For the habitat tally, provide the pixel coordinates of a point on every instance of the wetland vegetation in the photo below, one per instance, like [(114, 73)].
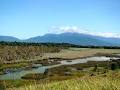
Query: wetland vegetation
[(54, 66)]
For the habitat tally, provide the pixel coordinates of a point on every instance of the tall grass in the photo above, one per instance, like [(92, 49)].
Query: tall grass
[(86, 83)]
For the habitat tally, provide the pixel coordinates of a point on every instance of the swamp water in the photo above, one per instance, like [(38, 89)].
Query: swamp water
[(41, 69)]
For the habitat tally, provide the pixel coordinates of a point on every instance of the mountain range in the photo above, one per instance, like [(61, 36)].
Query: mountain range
[(72, 38)]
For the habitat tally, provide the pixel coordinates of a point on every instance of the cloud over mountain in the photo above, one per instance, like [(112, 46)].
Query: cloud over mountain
[(75, 29)]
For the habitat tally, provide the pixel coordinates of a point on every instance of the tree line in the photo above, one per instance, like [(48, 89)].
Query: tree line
[(55, 44)]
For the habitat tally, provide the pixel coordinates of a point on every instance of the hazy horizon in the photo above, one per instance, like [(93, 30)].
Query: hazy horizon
[(28, 18)]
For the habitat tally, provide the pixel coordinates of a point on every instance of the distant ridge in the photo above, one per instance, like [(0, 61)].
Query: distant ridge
[(8, 38), (76, 38), (72, 38)]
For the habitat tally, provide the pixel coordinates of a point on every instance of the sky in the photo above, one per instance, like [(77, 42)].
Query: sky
[(28, 18)]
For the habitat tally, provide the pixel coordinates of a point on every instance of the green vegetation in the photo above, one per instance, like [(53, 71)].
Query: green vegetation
[(18, 52), (14, 52), (84, 75), (4, 66), (93, 75), (109, 81)]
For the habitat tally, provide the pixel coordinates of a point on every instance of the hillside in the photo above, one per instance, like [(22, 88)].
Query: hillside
[(8, 38), (76, 38), (72, 38)]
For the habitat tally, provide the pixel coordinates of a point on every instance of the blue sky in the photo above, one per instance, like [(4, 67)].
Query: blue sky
[(28, 18)]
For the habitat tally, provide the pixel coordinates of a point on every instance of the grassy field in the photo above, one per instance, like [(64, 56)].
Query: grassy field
[(70, 53), (110, 81), (16, 54), (90, 79), (76, 81), (73, 53)]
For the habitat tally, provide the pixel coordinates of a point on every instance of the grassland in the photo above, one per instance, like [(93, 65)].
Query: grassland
[(109, 81), (74, 53), (70, 53), (25, 53), (61, 78), (80, 77)]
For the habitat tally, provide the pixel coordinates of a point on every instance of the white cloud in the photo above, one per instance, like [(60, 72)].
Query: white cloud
[(106, 34), (63, 29), (76, 29)]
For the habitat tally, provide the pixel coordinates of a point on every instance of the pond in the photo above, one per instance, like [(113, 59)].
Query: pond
[(41, 69)]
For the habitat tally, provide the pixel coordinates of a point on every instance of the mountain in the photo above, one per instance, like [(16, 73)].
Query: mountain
[(76, 38), (8, 38), (72, 38)]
